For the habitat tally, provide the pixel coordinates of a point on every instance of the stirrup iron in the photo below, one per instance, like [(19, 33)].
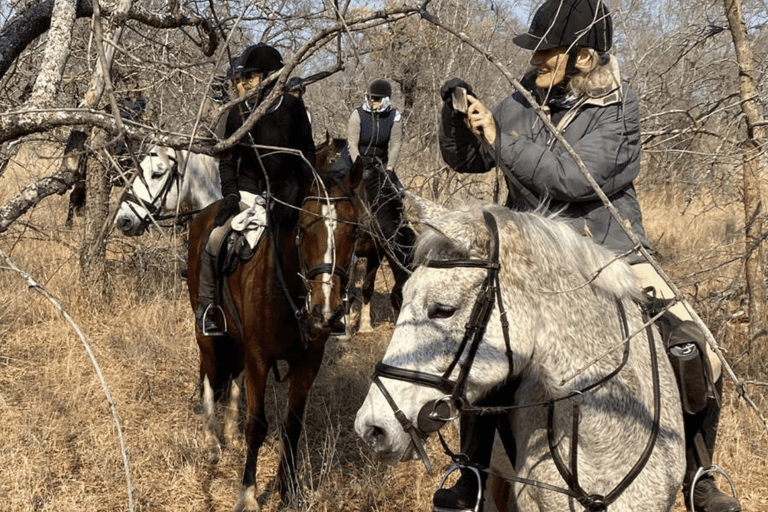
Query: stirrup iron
[(714, 468), (479, 498), (205, 316)]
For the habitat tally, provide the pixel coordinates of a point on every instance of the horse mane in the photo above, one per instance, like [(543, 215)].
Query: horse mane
[(544, 240)]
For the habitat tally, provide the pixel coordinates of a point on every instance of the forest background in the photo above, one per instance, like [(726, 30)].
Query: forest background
[(698, 67)]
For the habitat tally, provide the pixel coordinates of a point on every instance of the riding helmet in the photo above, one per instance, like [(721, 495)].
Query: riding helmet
[(259, 58), (379, 88), (569, 23)]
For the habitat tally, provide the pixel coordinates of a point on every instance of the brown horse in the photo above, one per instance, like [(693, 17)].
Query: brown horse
[(271, 323), (371, 243)]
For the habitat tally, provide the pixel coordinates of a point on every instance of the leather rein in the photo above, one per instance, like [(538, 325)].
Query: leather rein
[(435, 413)]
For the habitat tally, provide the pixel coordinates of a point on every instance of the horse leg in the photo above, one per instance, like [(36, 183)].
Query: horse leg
[(302, 375), (256, 427), (372, 263), (208, 378), (232, 411)]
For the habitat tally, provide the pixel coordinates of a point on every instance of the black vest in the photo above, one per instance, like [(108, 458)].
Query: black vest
[(375, 130)]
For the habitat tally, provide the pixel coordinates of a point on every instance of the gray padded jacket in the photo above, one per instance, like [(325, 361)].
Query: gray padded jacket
[(604, 130)]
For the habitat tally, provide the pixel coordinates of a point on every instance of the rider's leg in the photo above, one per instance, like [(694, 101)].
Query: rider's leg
[(477, 434), (701, 401), (206, 289), (477, 441)]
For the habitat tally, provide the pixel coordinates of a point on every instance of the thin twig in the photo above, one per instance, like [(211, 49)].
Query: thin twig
[(41, 290)]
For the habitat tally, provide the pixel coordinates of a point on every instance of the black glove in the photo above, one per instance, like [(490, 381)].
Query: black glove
[(230, 207), (446, 91)]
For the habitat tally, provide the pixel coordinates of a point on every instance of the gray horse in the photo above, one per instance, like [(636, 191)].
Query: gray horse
[(568, 343)]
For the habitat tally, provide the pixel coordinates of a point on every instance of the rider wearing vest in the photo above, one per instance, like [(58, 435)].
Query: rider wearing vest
[(374, 133), (578, 84), (248, 173)]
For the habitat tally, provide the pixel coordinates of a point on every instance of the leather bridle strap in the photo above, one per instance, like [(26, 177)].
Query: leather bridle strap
[(408, 426)]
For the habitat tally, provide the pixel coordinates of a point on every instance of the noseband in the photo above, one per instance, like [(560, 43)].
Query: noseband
[(435, 413), (438, 412), (322, 268)]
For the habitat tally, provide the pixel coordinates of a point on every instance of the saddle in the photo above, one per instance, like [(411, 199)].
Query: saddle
[(234, 250)]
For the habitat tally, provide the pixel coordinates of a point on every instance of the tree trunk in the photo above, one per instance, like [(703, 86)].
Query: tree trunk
[(55, 55), (753, 174), (94, 250)]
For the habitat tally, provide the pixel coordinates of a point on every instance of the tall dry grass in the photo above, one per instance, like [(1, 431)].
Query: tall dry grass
[(58, 445)]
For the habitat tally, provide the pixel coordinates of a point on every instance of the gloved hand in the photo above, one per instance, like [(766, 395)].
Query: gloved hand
[(446, 91), (230, 207)]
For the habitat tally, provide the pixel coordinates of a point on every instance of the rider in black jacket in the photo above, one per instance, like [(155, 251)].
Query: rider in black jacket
[(250, 173)]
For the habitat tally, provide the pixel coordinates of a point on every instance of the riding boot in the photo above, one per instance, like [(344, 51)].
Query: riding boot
[(700, 435), (477, 433), (205, 315)]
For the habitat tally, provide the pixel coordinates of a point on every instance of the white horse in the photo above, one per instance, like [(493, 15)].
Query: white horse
[(168, 179), (568, 343)]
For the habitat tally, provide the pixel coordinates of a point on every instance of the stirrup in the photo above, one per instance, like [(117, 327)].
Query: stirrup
[(205, 316), (479, 498), (714, 468)]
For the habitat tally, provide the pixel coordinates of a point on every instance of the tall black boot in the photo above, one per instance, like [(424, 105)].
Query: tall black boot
[(477, 433), (700, 435), (206, 299)]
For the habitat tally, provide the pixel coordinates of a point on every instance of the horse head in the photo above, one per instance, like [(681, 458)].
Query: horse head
[(326, 241), (167, 178), (560, 333), (328, 151)]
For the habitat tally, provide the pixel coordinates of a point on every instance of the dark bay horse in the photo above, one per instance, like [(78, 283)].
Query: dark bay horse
[(272, 322), (384, 232)]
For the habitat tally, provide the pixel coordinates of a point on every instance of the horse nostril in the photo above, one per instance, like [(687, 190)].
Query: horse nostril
[(124, 223), (376, 437)]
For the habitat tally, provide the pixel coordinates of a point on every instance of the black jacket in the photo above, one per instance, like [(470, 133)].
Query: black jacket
[(285, 125)]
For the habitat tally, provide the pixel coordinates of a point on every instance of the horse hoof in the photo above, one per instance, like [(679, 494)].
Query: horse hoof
[(247, 501)]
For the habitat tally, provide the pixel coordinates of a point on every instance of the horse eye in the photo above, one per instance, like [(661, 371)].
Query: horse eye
[(440, 311)]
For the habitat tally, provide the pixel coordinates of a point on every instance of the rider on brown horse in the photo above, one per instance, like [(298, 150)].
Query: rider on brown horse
[(248, 172), (374, 133)]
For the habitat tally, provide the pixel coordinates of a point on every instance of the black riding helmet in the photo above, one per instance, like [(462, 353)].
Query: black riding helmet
[(569, 23), (257, 58), (380, 88)]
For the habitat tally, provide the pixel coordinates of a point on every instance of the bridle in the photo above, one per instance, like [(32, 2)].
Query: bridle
[(330, 269), (154, 206), (321, 268), (435, 413)]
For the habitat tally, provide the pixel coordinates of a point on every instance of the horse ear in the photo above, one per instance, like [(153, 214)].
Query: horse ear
[(355, 175), (425, 208)]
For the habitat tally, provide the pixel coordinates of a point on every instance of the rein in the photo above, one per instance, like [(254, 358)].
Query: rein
[(435, 413)]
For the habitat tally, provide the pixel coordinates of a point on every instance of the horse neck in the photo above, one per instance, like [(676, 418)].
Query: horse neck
[(200, 184), (574, 340)]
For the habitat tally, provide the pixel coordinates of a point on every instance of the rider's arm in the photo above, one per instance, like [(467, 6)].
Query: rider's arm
[(610, 150), (395, 142), (353, 135), (229, 160)]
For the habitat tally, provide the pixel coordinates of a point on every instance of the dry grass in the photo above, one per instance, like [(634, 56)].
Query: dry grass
[(58, 442)]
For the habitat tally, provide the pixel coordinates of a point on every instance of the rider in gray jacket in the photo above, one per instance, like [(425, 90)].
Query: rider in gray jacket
[(578, 85)]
